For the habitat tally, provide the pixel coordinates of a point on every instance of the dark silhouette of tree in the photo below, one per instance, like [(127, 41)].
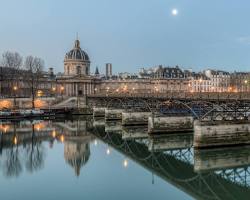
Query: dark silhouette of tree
[(13, 62), (34, 67)]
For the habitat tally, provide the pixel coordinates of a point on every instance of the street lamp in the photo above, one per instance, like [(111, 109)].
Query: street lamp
[(62, 89), (15, 90), (246, 84)]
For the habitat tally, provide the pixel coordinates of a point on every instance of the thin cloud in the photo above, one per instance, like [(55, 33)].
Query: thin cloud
[(244, 40)]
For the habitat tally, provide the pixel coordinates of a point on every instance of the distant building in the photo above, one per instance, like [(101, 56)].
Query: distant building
[(220, 80), (199, 82), (240, 82), (19, 78), (76, 80), (77, 62), (97, 72), (108, 70)]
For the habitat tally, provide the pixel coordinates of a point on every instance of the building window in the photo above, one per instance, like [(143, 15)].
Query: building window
[(78, 70)]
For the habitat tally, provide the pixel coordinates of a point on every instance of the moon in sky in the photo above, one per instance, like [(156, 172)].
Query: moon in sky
[(174, 12)]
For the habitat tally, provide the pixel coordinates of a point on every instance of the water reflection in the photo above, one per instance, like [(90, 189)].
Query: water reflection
[(22, 144), (202, 174)]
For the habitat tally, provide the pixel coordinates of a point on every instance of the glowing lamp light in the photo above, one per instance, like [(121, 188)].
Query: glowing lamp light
[(53, 133), (15, 88), (62, 139), (15, 140), (108, 151), (95, 143), (39, 93), (125, 163)]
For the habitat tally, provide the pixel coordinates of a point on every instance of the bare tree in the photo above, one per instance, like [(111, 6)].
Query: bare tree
[(13, 61), (34, 67)]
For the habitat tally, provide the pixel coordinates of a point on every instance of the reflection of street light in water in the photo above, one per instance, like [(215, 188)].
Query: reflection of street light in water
[(62, 138), (125, 163), (15, 140), (54, 133), (108, 151)]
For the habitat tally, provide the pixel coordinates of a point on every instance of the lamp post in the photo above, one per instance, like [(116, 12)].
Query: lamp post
[(53, 89), (246, 82), (61, 90), (15, 90)]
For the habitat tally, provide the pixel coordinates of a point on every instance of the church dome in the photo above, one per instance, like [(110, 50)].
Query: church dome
[(77, 54)]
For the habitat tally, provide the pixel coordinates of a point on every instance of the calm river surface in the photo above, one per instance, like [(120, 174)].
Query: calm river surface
[(82, 159)]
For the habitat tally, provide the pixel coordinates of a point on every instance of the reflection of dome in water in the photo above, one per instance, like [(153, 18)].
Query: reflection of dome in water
[(76, 155)]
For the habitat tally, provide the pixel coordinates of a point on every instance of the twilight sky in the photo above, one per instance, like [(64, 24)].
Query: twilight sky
[(131, 33)]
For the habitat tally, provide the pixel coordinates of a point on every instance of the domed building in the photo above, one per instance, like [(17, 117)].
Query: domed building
[(77, 62), (76, 79)]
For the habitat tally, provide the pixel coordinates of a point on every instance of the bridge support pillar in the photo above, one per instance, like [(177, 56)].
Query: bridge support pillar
[(135, 118), (113, 114), (98, 112), (134, 132), (220, 158), (170, 124), (171, 142), (221, 133), (113, 127)]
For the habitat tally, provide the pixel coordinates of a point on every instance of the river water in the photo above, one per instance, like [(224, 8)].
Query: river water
[(85, 159)]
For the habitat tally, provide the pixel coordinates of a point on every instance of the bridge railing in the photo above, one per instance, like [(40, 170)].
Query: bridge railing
[(180, 95)]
